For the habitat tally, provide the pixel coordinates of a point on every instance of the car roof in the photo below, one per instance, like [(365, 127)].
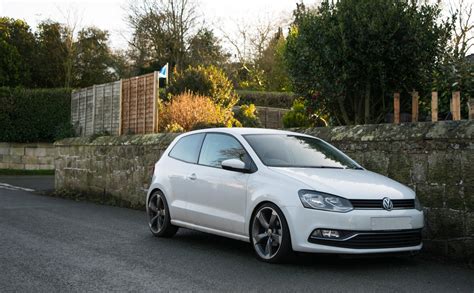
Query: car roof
[(245, 130)]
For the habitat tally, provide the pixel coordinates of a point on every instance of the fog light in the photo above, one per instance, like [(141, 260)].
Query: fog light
[(324, 233)]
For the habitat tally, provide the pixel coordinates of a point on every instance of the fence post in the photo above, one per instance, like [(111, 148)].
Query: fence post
[(93, 109), (434, 106), (396, 108), (471, 109), (456, 105), (414, 106), (155, 104), (85, 114), (120, 126), (135, 131)]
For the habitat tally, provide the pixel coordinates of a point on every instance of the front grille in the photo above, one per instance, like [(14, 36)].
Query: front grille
[(374, 240), (377, 203)]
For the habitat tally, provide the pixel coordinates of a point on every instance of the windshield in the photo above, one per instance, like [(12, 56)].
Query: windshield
[(281, 150)]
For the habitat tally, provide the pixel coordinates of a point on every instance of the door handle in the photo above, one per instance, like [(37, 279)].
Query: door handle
[(192, 176)]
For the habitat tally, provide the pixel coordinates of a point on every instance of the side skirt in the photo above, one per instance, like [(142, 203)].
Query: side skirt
[(210, 230)]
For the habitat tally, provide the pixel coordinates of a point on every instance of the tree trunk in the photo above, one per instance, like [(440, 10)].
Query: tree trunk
[(345, 117), (367, 104)]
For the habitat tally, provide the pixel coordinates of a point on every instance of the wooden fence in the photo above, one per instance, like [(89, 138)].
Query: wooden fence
[(139, 104), (96, 109), (455, 106), (271, 117), (127, 106)]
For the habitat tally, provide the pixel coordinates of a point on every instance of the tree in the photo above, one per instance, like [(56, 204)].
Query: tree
[(272, 63), (93, 59), (348, 57), (17, 52), (161, 30), (121, 64), (249, 42), (205, 49), (52, 55), (208, 81)]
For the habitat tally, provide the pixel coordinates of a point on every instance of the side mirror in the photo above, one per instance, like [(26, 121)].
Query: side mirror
[(234, 165)]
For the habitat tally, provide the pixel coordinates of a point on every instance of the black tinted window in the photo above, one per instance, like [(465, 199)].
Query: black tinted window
[(220, 147), (187, 148)]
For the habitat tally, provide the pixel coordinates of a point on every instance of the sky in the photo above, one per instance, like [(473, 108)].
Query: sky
[(221, 15), (111, 14)]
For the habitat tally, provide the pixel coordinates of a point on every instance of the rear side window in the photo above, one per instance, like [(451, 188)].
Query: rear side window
[(187, 148)]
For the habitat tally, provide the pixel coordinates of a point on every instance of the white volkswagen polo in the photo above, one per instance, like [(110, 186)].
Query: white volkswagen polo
[(281, 191)]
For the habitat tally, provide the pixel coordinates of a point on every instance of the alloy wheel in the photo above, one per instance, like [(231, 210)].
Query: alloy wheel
[(267, 232), (156, 213)]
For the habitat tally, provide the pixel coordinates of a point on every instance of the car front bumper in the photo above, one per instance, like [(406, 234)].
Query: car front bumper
[(367, 231)]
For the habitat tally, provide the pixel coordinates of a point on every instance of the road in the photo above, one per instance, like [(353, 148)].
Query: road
[(54, 245)]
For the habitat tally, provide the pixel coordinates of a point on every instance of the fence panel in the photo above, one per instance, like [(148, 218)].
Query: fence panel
[(96, 109), (107, 108), (139, 96), (271, 117)]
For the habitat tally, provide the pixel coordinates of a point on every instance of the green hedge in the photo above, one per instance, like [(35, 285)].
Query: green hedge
[(34, 115), (266, 99)]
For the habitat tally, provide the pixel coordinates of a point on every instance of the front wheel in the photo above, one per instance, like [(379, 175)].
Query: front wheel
[(159, 219), (270, 235)]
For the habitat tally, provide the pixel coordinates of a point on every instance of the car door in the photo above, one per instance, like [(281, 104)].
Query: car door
[(219, 198), (184, 157)]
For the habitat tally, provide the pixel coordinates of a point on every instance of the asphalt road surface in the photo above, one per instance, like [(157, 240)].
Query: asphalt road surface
[(55, 245)]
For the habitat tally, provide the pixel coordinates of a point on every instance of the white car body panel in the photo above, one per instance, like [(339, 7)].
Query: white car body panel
[(222, 202)]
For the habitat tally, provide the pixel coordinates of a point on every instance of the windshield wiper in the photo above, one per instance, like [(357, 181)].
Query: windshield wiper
[(355, 168)]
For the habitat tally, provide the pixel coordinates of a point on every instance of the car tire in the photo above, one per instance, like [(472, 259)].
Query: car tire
[(159, 220), (270, 235)]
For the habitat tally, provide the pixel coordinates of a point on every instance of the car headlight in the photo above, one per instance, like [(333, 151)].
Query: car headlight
[(418, 205), (324, 201)]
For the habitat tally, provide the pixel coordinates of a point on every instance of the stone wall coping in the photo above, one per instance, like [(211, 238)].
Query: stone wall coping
[(463, 129), (142, 139)]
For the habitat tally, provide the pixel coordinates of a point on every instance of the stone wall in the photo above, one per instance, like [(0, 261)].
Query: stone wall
[(27, 156), (112, 169), (435, 159)]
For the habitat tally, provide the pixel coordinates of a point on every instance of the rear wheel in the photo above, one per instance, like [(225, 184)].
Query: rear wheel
[(159, 219), (270, 235)]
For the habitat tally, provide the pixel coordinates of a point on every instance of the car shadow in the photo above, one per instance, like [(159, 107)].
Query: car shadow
[(235, 248)]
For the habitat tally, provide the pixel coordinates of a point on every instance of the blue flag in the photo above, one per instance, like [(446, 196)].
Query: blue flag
[(163, 72)]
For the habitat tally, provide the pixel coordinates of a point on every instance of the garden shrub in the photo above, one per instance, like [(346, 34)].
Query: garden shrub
[(247, 116), (297, 116), (204, 125), (174, 127), (207, 81), (186, 110), (34, 115)]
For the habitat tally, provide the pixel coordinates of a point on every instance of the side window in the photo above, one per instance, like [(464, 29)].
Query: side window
[(187, 148), (220, 147)]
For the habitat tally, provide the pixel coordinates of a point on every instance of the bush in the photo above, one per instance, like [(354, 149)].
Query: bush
[(174, 127), (297, 116), (64, 130), (266, 99), (247, 116), (204, 125), (34, 115), (207, 81), (185, 111)]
